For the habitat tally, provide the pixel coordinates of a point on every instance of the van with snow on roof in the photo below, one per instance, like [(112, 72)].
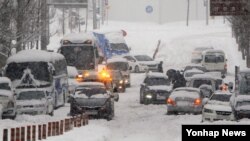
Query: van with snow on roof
[(42, 70), (215, 60)]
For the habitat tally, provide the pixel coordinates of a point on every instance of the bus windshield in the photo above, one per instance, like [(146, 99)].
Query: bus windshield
[(39, 70), (82, 57)]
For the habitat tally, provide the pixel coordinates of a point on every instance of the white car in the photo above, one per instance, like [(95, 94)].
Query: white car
[(34, 102), (134, 64), (189, 73), (218, 107), (7, 98), (145, 60)]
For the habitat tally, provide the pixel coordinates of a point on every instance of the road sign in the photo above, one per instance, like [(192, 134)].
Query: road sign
[(228, 7), (69, 4), (149, 9)]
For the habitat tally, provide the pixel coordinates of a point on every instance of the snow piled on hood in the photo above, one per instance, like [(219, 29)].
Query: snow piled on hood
[(218, 106), (161, 87)]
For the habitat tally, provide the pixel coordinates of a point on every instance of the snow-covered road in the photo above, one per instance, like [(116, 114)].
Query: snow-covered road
[(136, 122)]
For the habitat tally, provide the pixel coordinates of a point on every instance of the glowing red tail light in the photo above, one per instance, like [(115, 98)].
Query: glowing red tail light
[(197, 101), (170, 101)]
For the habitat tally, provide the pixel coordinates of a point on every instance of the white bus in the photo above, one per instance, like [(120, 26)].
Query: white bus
[(47, 71), (81, 51)]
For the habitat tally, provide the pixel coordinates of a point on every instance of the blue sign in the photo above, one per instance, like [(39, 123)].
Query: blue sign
[(149, 9)]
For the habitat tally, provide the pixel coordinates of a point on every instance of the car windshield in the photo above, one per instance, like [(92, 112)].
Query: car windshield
[(157, 81), (221, 97), (122, 66), (199, 82), (119, 47), (29, 95), (245, 86), (4, 86), (91, 91), (243, 103), (214, 58), (143, 58)]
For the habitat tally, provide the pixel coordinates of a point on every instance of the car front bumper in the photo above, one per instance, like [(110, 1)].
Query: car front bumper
[(32, 111), (213, 117), (9, 113)]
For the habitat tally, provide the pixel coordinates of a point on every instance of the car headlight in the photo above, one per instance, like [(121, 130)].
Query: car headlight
[(18, 106), (126, 81), (121, 81), (149, 96), (208, 110)]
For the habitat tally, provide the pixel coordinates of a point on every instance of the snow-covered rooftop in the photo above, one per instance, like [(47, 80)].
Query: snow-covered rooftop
[(34, 56), (156, 74), (78, 37)]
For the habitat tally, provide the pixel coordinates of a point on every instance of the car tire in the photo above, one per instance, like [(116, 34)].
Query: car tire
[(237, 116), (141, 98), (146, 101), (137, 70), (51, 113), (111, 113), (171, 113)]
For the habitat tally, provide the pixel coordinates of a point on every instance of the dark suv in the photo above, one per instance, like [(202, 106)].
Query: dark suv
[(155, 88)]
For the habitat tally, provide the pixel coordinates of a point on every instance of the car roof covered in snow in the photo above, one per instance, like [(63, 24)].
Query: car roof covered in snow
[(34, 56), (204, 76), (5, 80), (156, 75), (83, 84), (194, 70), (242, 98), (187, 88), (79, 37), (117, 59)]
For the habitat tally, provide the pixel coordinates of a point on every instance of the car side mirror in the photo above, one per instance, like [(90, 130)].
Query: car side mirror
[(204, 101)]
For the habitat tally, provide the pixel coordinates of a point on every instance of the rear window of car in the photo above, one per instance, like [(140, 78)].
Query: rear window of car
[(221, 97), (156, 81), (198, 83)]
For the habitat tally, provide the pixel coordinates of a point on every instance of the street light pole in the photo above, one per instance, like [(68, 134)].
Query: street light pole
[(188, 12)]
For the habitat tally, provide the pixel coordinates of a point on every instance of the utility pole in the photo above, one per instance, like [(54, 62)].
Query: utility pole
[(44, 25), (94, 15), (207, 11), (188, 12)]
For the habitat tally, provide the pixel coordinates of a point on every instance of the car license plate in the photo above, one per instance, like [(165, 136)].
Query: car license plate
[(182, 103), (91, 112)]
